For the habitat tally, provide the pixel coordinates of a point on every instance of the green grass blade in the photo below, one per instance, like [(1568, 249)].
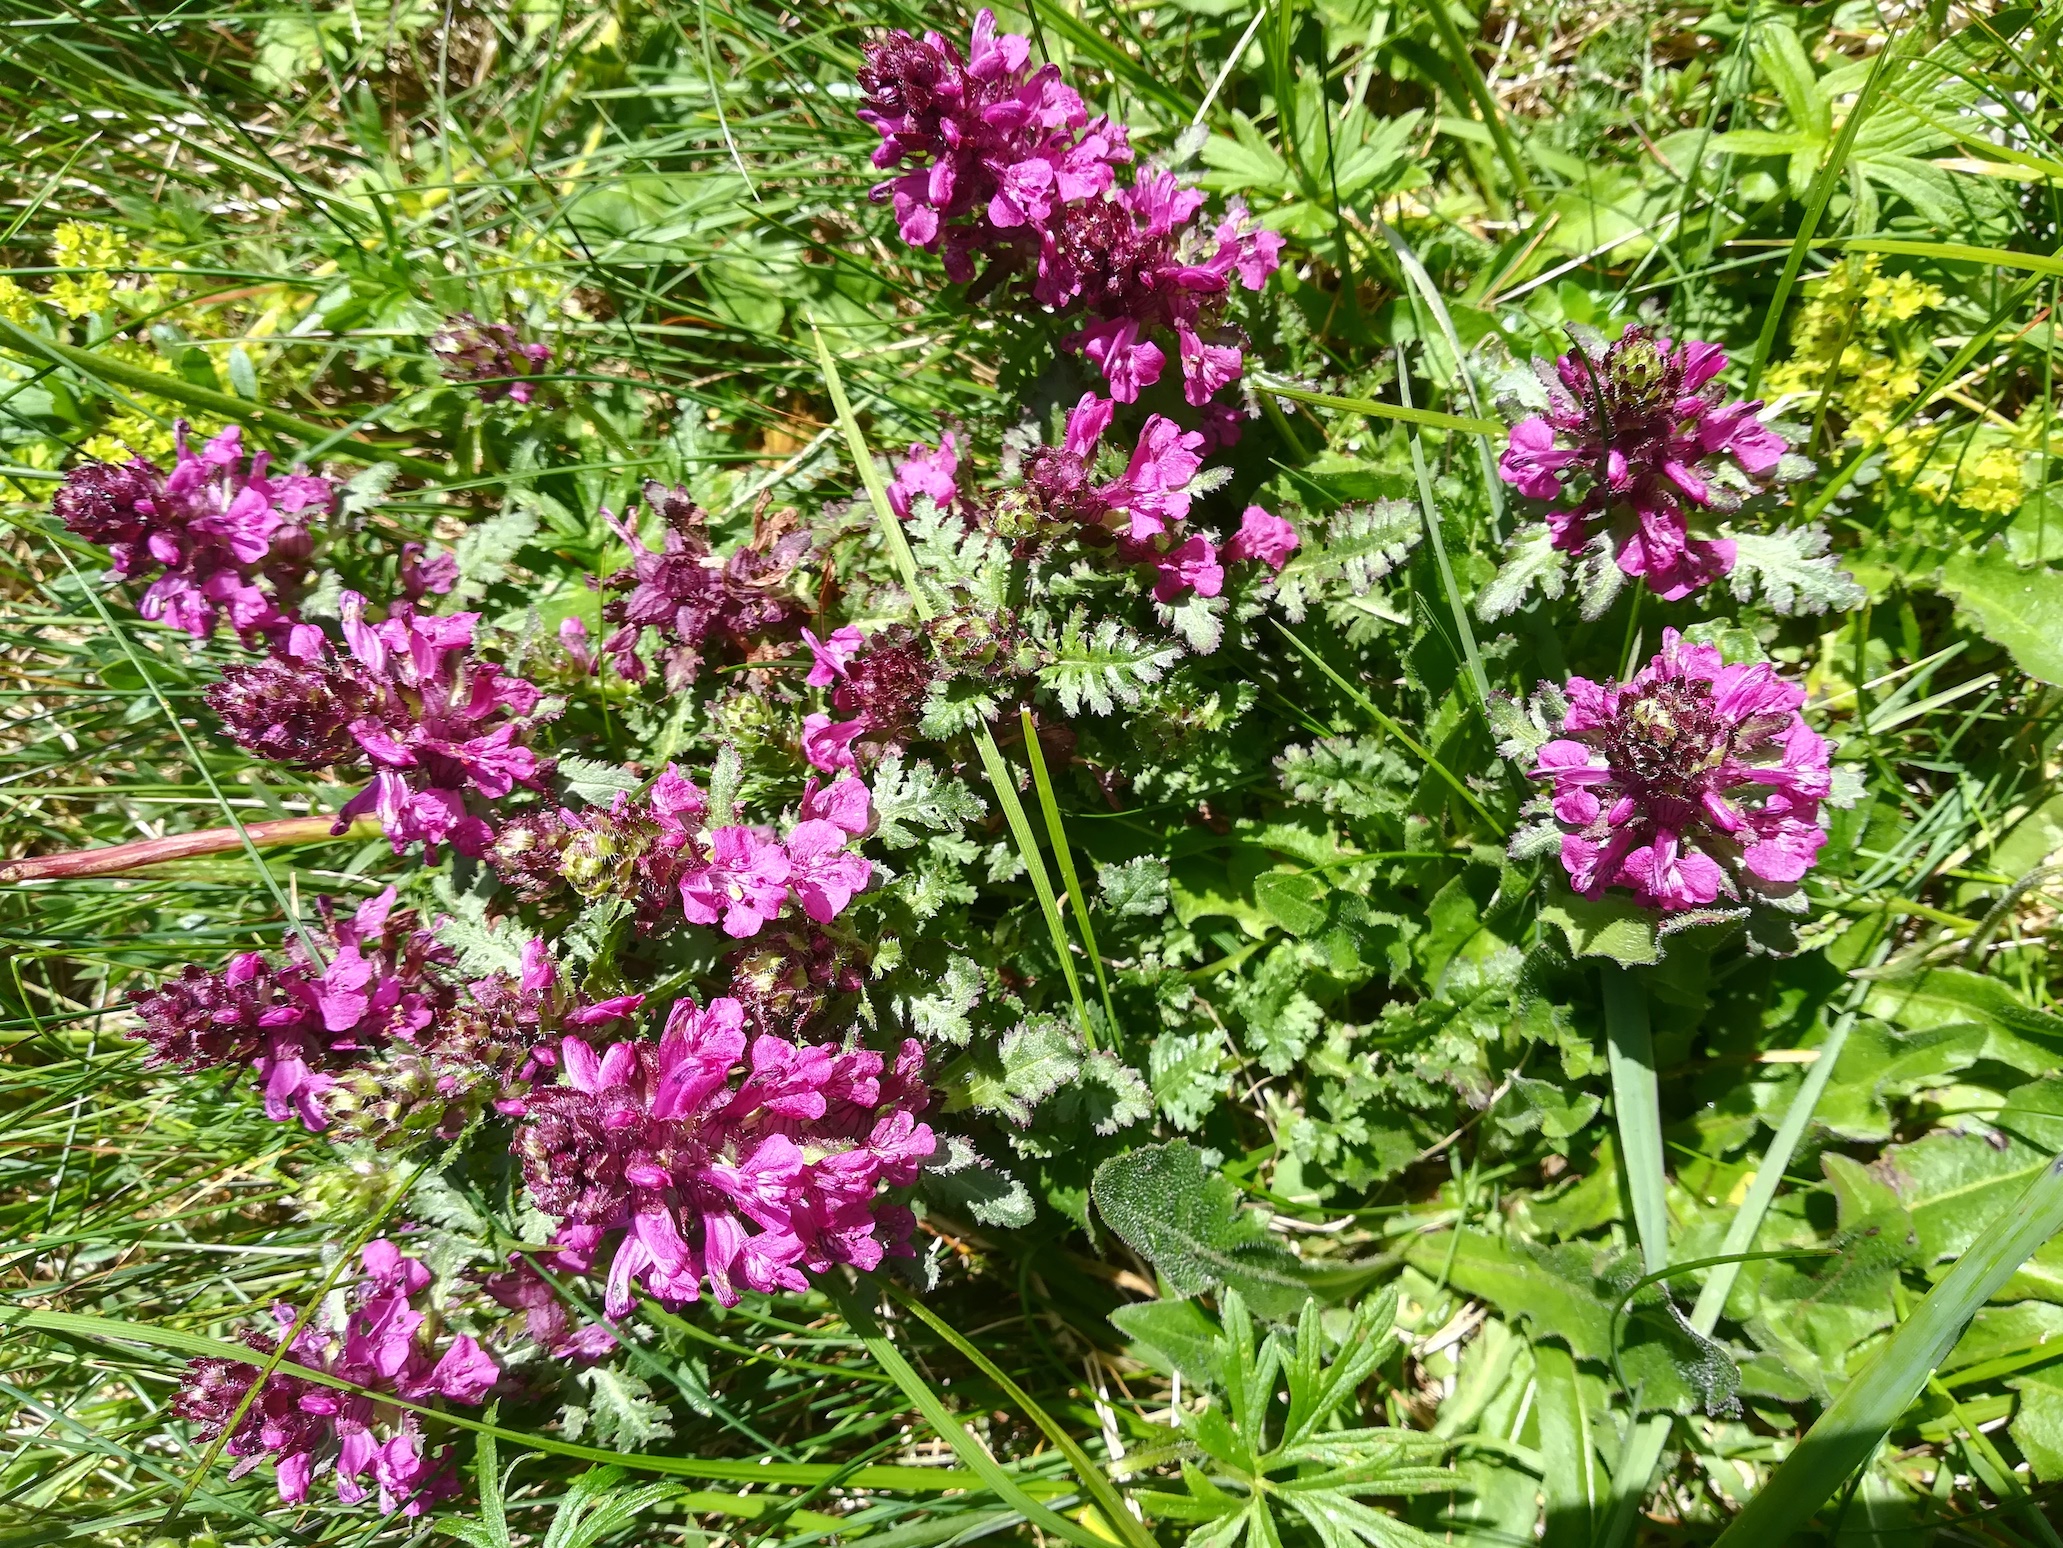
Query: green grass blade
[(1063, 853), (1637, 1110), (950, 1430), (1429, 295), (1005, 786), (1957, 252), (1849, 1430), (992, 760), (1815, 206), (1471, 74), (175, 389), (1473, 658), (1376, 409), (1093, 1478)]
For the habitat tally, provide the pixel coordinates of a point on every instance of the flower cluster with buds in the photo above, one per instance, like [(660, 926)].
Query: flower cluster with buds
[(995, 148), (698, 606), (492, 354), (412, 699), (222, 536), (1006, 162), (685, 1171), (1142, 509), (385, 1345), (660, 853), (375, 1032), (879, 685), (1695, 782), (1640, 449)]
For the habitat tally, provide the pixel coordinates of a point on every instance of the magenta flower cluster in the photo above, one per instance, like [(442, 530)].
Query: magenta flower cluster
[(660, 853), (492, 354), (1142, 509), (683, 1169), (1642, 447), (412, 698), (879, 685), (1004, 161), (384, 1345), (697, 605), (1696, 782), (303, 1025), (222, 537)]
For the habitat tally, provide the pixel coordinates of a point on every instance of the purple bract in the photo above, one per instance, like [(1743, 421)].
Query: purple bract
[(1695, 782), (700, 1173), (1647, 444)]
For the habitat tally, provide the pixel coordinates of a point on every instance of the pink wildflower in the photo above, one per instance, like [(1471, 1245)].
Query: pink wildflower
[(822, 871), (925, 472), (701, 1178), (229, 540), (744, 882), (1695, 781), (411, 699), (305, 1426), (1263, 536), (1651, 445), (828, 744), (829, 656)]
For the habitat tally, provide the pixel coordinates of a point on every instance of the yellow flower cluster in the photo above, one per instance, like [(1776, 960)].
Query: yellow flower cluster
[(1845, 337)]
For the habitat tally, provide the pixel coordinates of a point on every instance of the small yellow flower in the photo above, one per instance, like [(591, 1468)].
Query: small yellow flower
[(123, 436), (16, 304)]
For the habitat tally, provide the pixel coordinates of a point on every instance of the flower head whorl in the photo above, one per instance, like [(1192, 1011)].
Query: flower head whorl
[(1651, 449), (227, 538), (711, 1163), (1694, 782)]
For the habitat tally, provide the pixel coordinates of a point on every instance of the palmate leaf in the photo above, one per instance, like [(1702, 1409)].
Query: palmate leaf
[(1259, 1452)]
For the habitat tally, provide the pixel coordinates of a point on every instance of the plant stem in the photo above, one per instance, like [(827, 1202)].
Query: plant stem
[(1637, 1107), (115, 859)]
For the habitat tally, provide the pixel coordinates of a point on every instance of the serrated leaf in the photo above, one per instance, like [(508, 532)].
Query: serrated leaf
[(1295, 900), (913, 799), (1191, 1225), (620, 1413), (942, 1015), (1531, 559), (1360, 545), (485, 551), (1135, 888), (1033, 1060), (1613, 926), (1794, 570), (366, 488), (594, 781), (2019, 609), (975, 1186), (1103, 667), (1198, 619)]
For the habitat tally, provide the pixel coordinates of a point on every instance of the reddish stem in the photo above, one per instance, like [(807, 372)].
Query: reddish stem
[(117, 858)]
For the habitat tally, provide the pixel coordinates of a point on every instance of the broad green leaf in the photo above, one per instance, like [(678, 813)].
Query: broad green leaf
[(1190, 1224), (2017, 1034), (2019, 609), (1296, 900), (1613, 926), (1173, 1336)]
